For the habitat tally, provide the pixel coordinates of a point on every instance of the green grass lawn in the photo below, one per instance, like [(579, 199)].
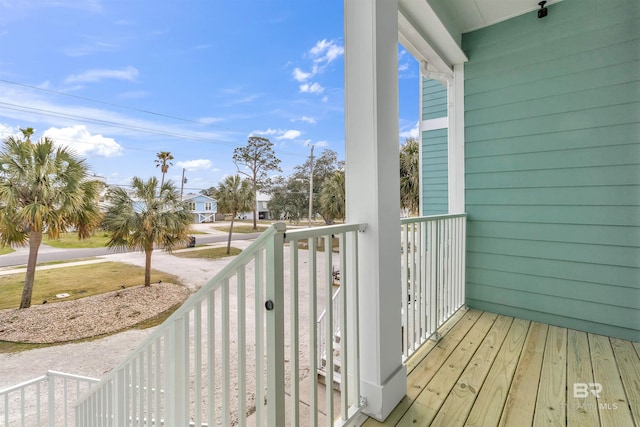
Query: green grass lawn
[(5, 250), (80, 281), (210, 253), (98, 239)]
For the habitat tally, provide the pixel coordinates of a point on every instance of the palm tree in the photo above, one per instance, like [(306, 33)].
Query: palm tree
[(332, 197), (43, 188), (164, 161), (234, 195), (410, 175), (144, 220)]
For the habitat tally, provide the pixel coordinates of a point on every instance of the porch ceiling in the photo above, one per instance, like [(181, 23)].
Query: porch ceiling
[(432, 29), (469, 15)]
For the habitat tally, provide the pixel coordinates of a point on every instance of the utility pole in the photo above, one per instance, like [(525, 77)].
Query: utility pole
[(182, 183), (311, 186)]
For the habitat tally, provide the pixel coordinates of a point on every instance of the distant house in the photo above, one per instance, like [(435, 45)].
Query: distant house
[(261, 207), (203, 207)]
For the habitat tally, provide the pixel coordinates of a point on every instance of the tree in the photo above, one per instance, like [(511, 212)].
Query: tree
[(324, 166), (332, 197), (163, 161), (43, 188), (234, 195), (289, 198), (259, 158), (146, 219), (410, 175)]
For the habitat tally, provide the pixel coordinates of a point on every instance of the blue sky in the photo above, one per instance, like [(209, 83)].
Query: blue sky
[(120, 80)]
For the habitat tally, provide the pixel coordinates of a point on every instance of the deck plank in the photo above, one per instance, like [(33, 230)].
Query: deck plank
[(422, 374), (414, 361), (628, 363), (552, 394), (612, 403), (514, 372), (458, 404), (581, 411), (428, 402), (636, 345), (491, 398), (521, 401)]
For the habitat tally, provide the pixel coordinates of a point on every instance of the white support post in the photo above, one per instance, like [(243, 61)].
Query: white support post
[(455, 92), (373, 195), (274, 304)]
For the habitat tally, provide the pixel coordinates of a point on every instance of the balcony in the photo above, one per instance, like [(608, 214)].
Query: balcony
[(229, 356)]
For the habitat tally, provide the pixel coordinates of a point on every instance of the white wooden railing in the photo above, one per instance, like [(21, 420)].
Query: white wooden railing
[(322, 326), (43, 401), (433, 275), (233, 349)]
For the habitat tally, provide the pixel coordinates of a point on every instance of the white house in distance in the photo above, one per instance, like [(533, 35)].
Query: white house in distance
[(262, 208), (204, 208)]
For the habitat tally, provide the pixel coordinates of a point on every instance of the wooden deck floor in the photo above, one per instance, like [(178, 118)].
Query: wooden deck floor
[(491, 370)]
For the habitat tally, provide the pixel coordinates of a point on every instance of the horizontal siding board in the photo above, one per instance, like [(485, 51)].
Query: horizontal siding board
[(592, 215), (559, 159), (609, 74), (573, 139), (435, 172), (576, 177), (614, 276), (621, 30), (628, 195), (434, 99), (588, 254), (631, 333), (537, 74), (550, 124), (624, 93), (569, 307), (571, 233), (541, 284)]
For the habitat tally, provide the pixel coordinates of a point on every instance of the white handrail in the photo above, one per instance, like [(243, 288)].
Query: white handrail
[(45, 400), (187, 372), (433, 275)]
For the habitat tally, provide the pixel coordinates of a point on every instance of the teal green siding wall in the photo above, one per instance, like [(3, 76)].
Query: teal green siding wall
[(434, 99), (435, 200), (552, 134), (435, 179)]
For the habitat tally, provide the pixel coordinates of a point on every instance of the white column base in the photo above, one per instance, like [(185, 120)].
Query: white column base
[(382, 399)]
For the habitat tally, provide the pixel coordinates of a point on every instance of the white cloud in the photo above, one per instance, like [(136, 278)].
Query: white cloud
[(326, 51), (300, 75), (311, 88), (192, 165), (290, 134), (7, 131), (321, 144), (412, 132), (129, 73), (279, 134), (80, 140), (403, 67), (305, 119)]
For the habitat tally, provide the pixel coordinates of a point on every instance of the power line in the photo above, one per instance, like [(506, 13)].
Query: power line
[(50, 113), (140, 110)]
